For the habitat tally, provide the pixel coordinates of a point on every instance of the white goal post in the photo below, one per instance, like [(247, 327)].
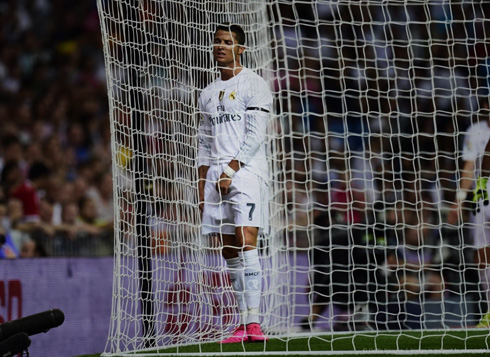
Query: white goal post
[(374, 102)]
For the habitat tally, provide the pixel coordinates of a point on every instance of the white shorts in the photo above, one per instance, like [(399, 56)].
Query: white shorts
[(481, 224), (246, 204)]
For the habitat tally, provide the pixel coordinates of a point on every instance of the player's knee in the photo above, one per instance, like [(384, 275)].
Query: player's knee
[(229, 252), (247, 237)]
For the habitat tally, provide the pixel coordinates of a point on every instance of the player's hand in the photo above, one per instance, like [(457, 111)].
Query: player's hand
[(223, 184), (480, 194)]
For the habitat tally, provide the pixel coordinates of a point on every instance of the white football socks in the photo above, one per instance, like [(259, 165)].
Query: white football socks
[(235, 268), (485, 282), (252, 279)]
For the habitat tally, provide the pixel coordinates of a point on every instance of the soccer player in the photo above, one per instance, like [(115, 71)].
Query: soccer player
[(233, 172), (476, 151)]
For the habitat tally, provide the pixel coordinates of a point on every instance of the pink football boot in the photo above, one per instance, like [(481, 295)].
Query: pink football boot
[(255, 333), (239, 335)]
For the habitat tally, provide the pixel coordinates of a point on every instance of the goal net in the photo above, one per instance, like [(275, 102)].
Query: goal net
[(378, 109)]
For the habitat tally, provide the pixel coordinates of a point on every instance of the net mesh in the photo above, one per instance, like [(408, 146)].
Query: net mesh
[(374, 105)]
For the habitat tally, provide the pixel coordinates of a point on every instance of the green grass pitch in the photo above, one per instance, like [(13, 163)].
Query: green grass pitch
[(415, 343)]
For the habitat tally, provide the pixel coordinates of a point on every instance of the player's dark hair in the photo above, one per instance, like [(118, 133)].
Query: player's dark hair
[(236, 29)]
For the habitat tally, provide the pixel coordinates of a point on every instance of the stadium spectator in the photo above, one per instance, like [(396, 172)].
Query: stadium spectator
[(80, 187), (347, 203), (13, 223), (102, 194), (12, 177), (77, 139), (94, 231), (32, 249), (300, 211), (89, 218), (28, 191), (12, 150), (8, 248), (58, 193), (45, 224), (69, 223), (419, 240)]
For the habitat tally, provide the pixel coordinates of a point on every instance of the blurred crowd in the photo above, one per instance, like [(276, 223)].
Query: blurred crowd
[(375, 105), (55, 151), (381, 95)]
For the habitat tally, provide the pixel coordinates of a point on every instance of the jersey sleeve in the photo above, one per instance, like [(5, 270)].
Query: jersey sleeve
[(470, 152), (257, 114), (204, 137)]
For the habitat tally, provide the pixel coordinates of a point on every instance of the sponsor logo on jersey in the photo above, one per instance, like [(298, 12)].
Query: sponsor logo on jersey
[(221, 95), (225, 118), (232, 95)]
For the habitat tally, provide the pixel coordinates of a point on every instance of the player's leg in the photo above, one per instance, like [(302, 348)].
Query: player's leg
[(235, 268), (252, 271), (252, 279), (250, 204), (483, 260), (482, 244), (217, 220), (243, 262)]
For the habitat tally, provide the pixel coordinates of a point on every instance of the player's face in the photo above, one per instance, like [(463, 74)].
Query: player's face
[(226, 50)]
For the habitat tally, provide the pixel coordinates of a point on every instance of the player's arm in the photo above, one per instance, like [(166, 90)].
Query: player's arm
[(257, 114), (204, 154), (467, 179), (257, 119), (224, 182), (256, 132), (466, 182)]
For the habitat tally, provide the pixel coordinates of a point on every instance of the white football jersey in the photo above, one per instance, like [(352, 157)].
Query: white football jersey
[(475, 140), (234, 118)]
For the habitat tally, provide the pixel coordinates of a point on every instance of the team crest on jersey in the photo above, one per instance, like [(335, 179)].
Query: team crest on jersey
[(232, 95), (221, 95)]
